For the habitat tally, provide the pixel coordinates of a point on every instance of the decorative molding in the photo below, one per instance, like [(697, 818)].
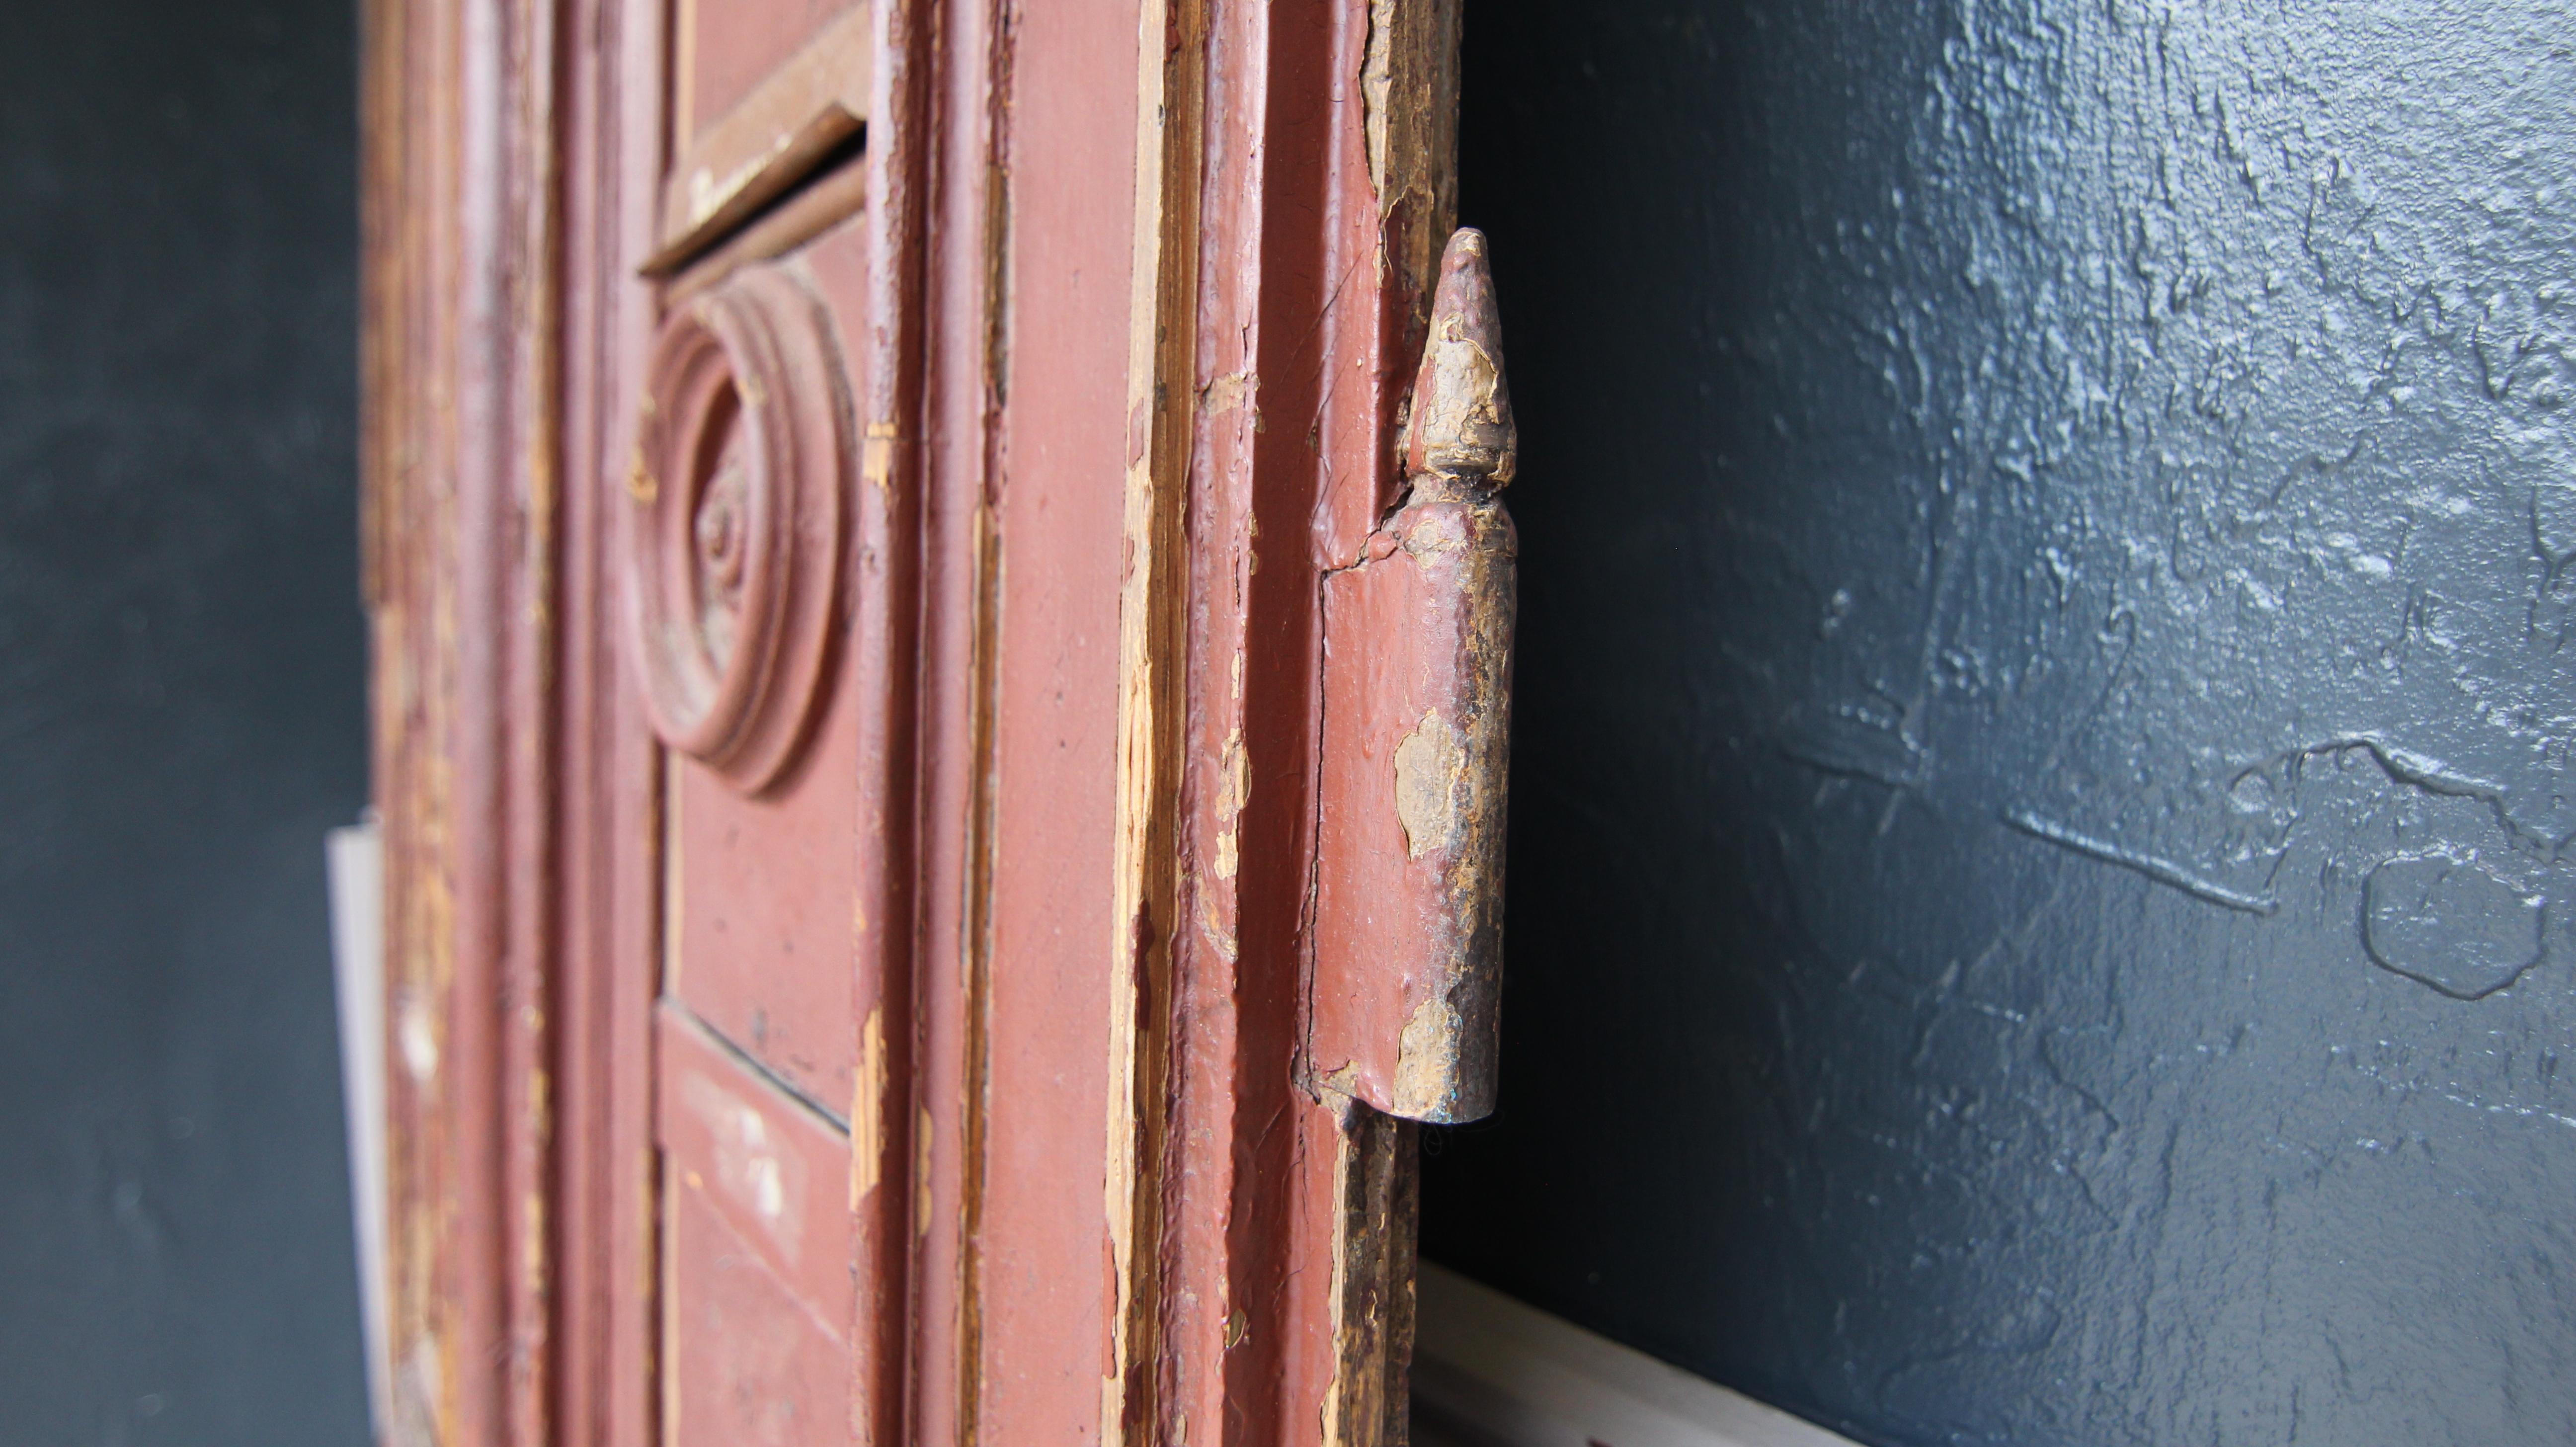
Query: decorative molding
[(734, 523)]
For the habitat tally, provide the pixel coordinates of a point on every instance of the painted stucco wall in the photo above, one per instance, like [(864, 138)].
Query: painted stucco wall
[(2043, 738), (181, 716)]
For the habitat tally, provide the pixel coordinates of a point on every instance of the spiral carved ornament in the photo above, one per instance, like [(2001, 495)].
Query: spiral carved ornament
[(734, 523)]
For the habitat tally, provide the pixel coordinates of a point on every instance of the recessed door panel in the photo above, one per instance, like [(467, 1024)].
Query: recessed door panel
[(728, 49), (745, 597), (762, 946), (774, 1169), (755, 1367)]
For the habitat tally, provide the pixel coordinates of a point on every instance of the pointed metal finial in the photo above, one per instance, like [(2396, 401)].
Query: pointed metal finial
[(1462, 407)]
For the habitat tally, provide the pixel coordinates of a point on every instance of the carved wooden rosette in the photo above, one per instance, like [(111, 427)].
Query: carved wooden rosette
[(734, 522)]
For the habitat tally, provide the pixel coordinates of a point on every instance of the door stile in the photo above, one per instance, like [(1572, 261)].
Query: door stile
[(1209, 1011), (887, 1179), (1327, 136), (1236, 1318), (461, 459), (409, 347), (1155, 590), (525, 478), (958, 54), (603, 1204)]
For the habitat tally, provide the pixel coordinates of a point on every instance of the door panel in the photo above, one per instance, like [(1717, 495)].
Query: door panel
[(757, 1365), (760, 933), (756, 1028), (774, 1168), (757, 1275), (726, 52)]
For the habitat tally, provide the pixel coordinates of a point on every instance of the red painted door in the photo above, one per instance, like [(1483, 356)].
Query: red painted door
[(873, 509)]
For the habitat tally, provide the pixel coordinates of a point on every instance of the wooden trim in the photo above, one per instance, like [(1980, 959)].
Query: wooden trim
[(457, 266), (800, 218), (1153, 674), (769, 142), (1288, 1216), (608, 944), (893, 859), (947, 430), (1497, 1372)]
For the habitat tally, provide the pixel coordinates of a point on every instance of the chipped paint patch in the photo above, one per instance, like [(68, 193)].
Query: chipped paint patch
[(1232, 391), (1430, 765), (921, 1177), (1426, 1058), (1234, 790), (1213, 927), (750, 1168), (1377, 91), (867, 1108), (419, 1040), (876, 456), (1234, 773)]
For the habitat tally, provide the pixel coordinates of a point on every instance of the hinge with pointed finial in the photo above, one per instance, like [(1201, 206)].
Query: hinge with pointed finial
[(1408, 926)]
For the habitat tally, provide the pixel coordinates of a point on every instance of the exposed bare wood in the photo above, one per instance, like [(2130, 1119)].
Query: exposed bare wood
[(1395, 194), (1411, 86), (1144, 913), (1379, 1199), (949, 412)]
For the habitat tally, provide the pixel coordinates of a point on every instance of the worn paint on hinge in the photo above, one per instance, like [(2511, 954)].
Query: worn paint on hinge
[(1417, 710)]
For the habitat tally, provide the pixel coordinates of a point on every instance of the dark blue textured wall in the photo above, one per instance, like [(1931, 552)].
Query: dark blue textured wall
[(181, 716), (2043, 743)]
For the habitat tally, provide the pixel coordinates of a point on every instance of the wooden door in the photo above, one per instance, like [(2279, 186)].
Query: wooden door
[(883, 530)]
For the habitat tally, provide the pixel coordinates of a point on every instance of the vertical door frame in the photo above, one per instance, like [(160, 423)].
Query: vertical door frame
[(1293, 169)]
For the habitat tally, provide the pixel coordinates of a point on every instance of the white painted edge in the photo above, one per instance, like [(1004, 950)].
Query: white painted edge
[(1519, 1377), (356, 861)]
